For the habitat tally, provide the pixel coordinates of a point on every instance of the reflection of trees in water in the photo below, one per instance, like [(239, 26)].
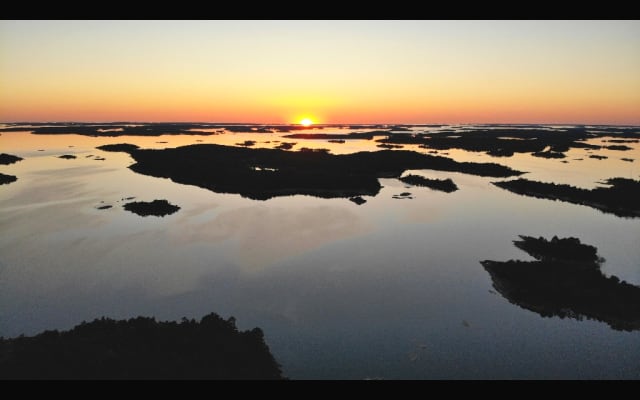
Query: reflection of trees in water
[(566, 281), (141, 348)]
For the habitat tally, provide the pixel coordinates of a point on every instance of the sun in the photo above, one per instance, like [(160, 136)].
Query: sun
[(306, 122)]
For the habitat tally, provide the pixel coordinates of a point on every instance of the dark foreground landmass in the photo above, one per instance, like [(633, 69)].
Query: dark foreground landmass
[(6, 179), (6, 159), (444, 185), (141, 348), (621, 198), (265, 173), (566, 281), (158, 208)]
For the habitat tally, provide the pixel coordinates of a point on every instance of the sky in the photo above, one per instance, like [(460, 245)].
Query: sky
[(585, 72)]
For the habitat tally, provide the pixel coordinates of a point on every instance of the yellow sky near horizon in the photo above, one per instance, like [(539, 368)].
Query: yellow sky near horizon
[(329, 71)]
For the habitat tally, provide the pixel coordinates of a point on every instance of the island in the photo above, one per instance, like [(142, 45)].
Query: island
[(7, 159), (158, 208), (339, 136), (505, 140), (6, 179), (141, 348), (444, 185), (621, 198), (286, 145), (566, 281), (145, 129), (358, 200), (262, 174), (548, 154)]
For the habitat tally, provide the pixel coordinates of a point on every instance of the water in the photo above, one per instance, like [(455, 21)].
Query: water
[(389, 289)]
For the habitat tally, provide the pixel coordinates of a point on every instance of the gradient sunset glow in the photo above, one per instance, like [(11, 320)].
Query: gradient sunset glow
[(325, 71)]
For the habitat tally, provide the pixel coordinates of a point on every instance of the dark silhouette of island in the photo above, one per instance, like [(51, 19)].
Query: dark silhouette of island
[(117, 129), (566, 281), (339, 136), (122, 147), (67, 156), (358, 200), (6, 159), (505, 140), (146, 129), (265, 173), (623, 140), (597, 157), (444, 185), (104, 207), (548, 154), (403, 195), (310, 150), (158, 208), (141, 348), (390, 146), (496, 140), (286, 145), (627, 159), (399, 128), (6, 179), (621, 198), (619, 147)]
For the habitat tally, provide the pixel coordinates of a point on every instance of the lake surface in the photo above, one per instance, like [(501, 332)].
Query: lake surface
[(390, 289)]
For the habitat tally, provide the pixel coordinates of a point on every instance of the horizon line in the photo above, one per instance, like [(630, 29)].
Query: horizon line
[(315, 124)]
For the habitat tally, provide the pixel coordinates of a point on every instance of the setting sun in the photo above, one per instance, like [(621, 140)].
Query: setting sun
[(306, 122)]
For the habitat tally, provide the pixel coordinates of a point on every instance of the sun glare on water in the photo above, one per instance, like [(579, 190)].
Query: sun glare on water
[(306, 122)]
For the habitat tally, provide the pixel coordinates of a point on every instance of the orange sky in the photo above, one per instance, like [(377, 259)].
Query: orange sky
[(329, 71)]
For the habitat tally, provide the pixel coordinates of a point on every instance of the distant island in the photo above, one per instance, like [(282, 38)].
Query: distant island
[(6, 179), (158, 208), (444, 185), (141, 348), (143, 129), (497, 140), (621, 198), (505, 140), (265, 173), (7, 159), (566, 281)]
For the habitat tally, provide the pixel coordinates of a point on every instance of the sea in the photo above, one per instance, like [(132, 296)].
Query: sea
[(389, 289)]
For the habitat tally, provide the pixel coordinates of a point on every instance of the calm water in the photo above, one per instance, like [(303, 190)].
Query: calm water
[(389, 289)]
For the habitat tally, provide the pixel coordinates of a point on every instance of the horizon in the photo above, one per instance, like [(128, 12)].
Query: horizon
[(331, 72), (313, 125)]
